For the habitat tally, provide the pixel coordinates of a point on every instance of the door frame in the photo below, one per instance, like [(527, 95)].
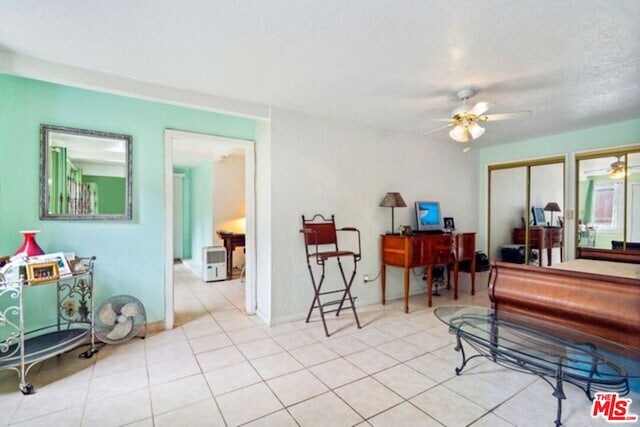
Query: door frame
[(250, 211)]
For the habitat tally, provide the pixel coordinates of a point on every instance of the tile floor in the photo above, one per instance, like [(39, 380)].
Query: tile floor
[(220, 367)]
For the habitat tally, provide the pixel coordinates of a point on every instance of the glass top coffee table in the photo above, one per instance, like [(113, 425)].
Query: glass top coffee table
[(557, 355)]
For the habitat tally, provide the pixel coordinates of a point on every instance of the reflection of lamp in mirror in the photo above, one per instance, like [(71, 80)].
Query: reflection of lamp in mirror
[(393, 200), (552, 207)]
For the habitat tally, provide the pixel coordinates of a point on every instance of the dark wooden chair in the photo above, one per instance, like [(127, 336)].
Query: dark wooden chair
[(321, 245)]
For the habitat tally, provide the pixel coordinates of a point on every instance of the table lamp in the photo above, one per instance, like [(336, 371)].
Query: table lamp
[(393, 200), (552, 207)]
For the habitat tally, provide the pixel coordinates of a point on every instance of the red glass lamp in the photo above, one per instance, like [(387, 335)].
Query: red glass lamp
[(29, 246)]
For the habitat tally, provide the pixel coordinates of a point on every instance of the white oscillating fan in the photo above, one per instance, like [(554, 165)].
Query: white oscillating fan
[(119, 319)]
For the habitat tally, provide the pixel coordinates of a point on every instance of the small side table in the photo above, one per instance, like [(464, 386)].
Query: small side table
[(231, 242)]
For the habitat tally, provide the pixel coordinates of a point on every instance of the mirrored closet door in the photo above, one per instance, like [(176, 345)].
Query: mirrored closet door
[(526, 212), (608, 202)]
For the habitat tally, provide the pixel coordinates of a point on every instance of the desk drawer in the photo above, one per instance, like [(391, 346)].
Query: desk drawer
[(393, 250)]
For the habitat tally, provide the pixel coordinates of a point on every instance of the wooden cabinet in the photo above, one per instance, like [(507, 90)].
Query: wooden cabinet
[(427, 250), (541, 238)]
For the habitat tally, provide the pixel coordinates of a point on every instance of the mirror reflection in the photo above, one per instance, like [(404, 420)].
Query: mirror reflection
[(84, 174), (608, 207), (512, 215)]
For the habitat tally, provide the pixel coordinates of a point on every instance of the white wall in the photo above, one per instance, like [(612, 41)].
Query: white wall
[(229, 199), (263, 233), (328, 166)]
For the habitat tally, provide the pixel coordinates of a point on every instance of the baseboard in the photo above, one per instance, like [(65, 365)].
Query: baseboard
[(194, 267), (155, 327)]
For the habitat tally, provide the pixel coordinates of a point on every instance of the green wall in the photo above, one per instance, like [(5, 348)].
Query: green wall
[(604, 238), (201, 215), (186, 212), (111, 193), (130, 254), (569, 143)]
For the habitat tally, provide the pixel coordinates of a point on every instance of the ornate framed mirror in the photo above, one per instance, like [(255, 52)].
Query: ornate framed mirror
[(84, 174)]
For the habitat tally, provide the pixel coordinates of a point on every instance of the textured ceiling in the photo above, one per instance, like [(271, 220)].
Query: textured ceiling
[(392, 64)]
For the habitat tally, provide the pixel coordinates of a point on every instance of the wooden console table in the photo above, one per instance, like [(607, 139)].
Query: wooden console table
[(427, 250), (541, 238), (231, 242)]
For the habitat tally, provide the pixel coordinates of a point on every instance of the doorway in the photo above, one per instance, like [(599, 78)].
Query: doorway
[(198, 145)]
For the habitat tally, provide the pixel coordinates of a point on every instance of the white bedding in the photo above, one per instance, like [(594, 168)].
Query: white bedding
[(620, 269)]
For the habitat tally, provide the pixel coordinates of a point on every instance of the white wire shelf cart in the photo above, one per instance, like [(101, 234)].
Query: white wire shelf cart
[(21, 349)]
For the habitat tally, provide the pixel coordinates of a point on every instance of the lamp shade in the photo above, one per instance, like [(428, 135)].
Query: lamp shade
[(552, 207), (475, 130), (459, 133), (393, 200)]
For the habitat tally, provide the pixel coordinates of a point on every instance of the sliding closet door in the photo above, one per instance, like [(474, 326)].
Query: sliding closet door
[(633, 199), (608, 202), (517, 190), (546, 195), (507, 205)]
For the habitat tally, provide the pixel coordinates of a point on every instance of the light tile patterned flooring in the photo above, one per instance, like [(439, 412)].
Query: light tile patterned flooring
[(220, 367)]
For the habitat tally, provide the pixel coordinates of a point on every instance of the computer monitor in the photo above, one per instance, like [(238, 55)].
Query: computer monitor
[(538, 216), (429, 216)]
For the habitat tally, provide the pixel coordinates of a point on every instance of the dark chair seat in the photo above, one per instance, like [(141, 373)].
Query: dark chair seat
[(332, 254)]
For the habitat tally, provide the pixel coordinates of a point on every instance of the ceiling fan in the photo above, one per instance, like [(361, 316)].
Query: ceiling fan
[(618, 169), (465, 119)]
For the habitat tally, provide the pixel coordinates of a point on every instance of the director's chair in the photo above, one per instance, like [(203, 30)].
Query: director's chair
[(321, 244)]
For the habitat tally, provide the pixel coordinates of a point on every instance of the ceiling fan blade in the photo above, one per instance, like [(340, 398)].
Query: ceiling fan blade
[(480, 108), (503, 116), (437, 129)]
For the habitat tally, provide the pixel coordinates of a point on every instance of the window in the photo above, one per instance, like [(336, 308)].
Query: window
[(605, 205)]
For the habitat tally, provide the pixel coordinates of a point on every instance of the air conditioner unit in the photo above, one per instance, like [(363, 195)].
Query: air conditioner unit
[(214, 263)]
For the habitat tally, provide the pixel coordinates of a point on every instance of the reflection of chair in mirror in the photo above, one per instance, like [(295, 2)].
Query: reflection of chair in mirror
[(321, 244), (586, 234)]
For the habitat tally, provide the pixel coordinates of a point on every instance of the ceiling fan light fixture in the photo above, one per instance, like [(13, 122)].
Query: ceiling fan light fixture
[(459, 133), (460, 111), (475, 130), (618, 170)]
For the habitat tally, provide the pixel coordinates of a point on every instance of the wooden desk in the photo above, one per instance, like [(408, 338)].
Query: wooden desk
[(427, 250), (231, 242), (541, 238)]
